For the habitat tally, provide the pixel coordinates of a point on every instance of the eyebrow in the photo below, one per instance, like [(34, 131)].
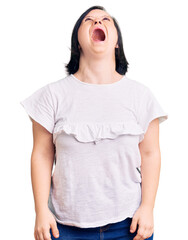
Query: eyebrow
[(101, 16)]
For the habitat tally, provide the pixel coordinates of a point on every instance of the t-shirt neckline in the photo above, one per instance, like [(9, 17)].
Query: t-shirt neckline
[(98, 85)]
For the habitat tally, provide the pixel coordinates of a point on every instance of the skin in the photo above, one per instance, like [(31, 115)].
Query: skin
[(42, 158), (150, 170), (97, 66), (97, 60)]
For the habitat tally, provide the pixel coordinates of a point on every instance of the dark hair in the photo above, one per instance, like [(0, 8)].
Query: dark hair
[(73, 65)]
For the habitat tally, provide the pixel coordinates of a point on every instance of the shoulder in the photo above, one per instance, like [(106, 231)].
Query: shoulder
[(137, 88), (59, 84), (60, 89)]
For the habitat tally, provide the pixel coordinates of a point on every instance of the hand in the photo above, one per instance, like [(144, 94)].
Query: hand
[(44, 221), (144, 218)]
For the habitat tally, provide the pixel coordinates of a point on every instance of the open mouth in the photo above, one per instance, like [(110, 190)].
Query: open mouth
[(98, 35)]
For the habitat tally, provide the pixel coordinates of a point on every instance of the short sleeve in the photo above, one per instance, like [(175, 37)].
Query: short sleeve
[(150, 109), (39, 106)]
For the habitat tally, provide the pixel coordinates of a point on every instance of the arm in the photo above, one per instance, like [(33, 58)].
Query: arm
[(150, 170), (41, 165), (41, 169), (151, 164)]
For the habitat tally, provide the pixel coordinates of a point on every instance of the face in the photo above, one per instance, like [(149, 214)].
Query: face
[(97, 33)]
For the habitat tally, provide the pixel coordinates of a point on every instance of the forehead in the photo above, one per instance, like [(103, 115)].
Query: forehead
[(97, 13)]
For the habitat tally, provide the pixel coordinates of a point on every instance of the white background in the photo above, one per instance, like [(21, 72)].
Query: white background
[(35, 45)]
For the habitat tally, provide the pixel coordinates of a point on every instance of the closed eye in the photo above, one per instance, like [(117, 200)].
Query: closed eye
[(87, 19), (103, 19), (106, 19)]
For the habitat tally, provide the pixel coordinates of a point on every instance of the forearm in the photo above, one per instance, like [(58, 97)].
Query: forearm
[(41, 169), (150, 170)]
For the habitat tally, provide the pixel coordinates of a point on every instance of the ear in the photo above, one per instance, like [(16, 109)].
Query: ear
[(117, 46)]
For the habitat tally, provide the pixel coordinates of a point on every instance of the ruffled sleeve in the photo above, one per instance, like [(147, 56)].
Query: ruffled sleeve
[(150, 109), (39, 106)]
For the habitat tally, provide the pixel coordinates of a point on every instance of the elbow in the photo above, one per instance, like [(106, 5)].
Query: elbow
[(153, 157)]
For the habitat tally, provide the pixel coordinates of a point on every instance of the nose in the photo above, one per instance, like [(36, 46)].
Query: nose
[(97, 21)]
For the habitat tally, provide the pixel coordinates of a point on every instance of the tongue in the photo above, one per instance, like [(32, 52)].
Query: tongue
[(98, 35)]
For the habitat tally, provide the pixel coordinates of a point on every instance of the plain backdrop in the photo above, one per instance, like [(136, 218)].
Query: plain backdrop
[(34, 46)]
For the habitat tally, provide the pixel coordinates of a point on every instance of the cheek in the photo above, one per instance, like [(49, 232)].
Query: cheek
[(112, 33), (113, 36), (80, 34), (83, 36)]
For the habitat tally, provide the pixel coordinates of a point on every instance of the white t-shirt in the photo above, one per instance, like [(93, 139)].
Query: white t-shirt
[(96, 131)]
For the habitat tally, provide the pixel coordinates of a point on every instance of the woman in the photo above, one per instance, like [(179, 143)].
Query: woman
[(102, 130)]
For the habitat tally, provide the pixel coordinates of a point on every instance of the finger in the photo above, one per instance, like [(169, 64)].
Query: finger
[(40, 235), (133, 225), (140, 235), (55, 230), (35, 235), (151, 232), (145, 234), (141, 238), (51, 235), (137, 237), (47, 235)]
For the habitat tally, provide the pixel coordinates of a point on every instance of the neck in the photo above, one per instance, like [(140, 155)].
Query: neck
[(97, 70)]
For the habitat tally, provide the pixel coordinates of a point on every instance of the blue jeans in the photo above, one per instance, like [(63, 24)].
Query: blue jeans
[(117, 231)]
